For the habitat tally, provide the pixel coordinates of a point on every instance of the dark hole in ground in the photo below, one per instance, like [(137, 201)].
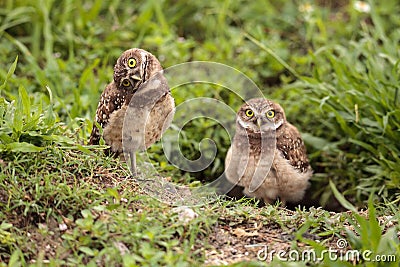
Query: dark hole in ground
[(307, 202)]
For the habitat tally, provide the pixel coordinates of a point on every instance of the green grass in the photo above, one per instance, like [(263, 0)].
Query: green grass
[(334, 69)]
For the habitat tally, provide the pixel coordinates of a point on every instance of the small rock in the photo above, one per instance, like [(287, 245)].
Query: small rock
[(185, 214), (123, 249), (62, 227)]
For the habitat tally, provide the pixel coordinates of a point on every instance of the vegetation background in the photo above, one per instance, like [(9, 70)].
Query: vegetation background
[(333, 66)]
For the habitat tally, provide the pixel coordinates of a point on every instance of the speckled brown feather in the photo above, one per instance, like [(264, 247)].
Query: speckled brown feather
[(292, 147), (111, 100)]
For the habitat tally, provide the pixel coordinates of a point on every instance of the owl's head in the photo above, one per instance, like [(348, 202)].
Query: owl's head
[(260, 115), (134, 67)]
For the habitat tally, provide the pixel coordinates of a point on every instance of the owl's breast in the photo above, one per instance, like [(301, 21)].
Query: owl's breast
[(138, 128), (159, 120), (241, 167)]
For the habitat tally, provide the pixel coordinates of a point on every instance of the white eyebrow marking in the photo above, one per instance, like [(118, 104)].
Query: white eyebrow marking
[(143, 57), (243, 124)]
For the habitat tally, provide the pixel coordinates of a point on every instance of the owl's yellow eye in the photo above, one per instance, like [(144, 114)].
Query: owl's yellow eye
[(270, 114), (249, 113), (131, 62), (126, 82)]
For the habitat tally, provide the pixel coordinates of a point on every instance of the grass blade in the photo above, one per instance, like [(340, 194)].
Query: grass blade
[(341, 198), (10, 72)]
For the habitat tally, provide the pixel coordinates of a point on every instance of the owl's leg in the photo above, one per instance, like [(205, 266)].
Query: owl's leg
[(132, 156), (268, 200)]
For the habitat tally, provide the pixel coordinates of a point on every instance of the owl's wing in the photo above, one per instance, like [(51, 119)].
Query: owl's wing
[(293, 149), (110, 101), (94, 136)]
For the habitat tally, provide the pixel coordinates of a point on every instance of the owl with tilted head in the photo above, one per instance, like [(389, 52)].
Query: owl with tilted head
[(267, 155), (136, 73)]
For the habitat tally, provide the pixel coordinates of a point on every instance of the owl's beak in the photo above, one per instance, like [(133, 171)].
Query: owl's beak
[(136, 77), (265, 125), (259, 122)]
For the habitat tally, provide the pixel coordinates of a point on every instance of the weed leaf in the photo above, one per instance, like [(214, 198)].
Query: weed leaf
[(341, 198)]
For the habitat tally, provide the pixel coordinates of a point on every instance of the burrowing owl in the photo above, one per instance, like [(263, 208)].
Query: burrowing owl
[(149, 110), (267, 156)]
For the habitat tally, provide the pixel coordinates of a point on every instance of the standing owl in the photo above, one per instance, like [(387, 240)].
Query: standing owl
[(267, 156), (150, 111)]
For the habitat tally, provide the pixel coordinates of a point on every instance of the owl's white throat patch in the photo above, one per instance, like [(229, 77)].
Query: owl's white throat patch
[(244, 124)]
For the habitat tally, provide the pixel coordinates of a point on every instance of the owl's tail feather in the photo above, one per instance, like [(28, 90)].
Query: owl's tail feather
[(94, 136)]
